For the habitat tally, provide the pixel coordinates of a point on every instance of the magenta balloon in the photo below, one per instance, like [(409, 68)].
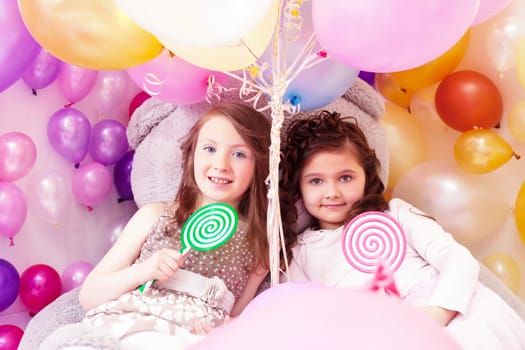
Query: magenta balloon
[(91, 183), (122, 176), (39, 285), (18, 48), (75, 274), (137, 101), (174, 80), (108, 142), (42, 71), (399, 34), (68, 132), (75, 82), (17, 155), (10, 336), (13, 209), (9, 284)]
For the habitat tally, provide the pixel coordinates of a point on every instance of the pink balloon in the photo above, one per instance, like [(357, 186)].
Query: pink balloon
[(108, 142), (18, 48), (173, 79), (39, 285), (75, 82), (43, 71), (306, 316), (400, 34), (10, 336), (110, 89), (68, 132), (17, 155), (488, 9), (13, 209), (75, 274), (92, 183)]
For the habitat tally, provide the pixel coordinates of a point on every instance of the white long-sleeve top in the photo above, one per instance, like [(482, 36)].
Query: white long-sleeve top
[(436, 271)]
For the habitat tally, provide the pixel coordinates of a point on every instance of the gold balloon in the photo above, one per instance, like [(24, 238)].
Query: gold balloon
[(481, 151), (390, 89), (231, 57), (92, 34), (516, 120), (505, 268), (433, 71), (406, 143), (520, 67), (519, 212)]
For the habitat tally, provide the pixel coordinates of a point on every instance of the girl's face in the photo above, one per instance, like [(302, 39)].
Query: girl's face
[(330, 183), (224, 164)]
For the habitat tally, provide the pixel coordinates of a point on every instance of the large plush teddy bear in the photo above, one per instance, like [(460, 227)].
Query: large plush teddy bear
[(155, 132)]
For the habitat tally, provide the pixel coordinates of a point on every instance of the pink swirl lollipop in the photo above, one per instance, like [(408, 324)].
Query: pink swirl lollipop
[(371, 238)]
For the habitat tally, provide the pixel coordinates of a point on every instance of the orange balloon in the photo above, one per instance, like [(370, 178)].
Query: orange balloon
[(481, 151), (519, 212), (505, 268), (92, 34), (468, 99), (406, 142), (391, 90), (433, 71)]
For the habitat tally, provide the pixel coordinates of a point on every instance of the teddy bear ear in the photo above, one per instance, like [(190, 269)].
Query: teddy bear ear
[(363, 96), (146, 117)]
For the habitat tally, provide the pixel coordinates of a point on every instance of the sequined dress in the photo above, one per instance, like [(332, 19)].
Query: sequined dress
[(163, 309)]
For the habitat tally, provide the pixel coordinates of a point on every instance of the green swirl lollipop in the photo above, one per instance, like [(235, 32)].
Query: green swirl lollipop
[(206, 229)]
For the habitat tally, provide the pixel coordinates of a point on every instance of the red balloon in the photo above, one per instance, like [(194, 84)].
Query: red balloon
[(40, 284), (137, 101), (468, 99), (10, 336)]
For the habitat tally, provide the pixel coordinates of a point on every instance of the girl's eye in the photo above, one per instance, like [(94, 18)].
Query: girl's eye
[(346, 178), (316, 181), (209, 149), (239, 154)]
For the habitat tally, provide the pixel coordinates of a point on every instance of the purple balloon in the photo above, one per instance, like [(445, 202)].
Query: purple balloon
[(75, 274), (10, 336), (369, 77), (68, 132), (18, 48), (122, 176), (13, 209), (43, 71), (108, 142), (91, 183), (9, 284)]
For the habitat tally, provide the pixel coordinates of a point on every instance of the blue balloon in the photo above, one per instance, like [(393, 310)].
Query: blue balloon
[(9, 284)]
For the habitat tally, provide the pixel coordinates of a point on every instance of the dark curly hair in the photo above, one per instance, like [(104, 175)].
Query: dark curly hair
[(308, 136)]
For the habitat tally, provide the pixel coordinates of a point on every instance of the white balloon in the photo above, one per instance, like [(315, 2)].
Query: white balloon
[(51, 194), (201, 23)]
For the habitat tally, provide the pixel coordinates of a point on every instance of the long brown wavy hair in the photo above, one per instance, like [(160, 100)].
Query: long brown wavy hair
[(310, 135), (254, 129)]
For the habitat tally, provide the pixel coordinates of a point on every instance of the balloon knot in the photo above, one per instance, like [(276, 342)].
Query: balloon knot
[(33, 91), (89, 208), (77, 165), (322, 53), (120, 200), (11, 242), (517, 156), (67, 105)]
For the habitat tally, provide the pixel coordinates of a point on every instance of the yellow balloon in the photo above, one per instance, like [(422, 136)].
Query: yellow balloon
[(520, 67), (406, 143), (516, 120), (481, 151), (232, 57), (519, 212), (433, 71), (92, 34), (390, 89), (505, 268)]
